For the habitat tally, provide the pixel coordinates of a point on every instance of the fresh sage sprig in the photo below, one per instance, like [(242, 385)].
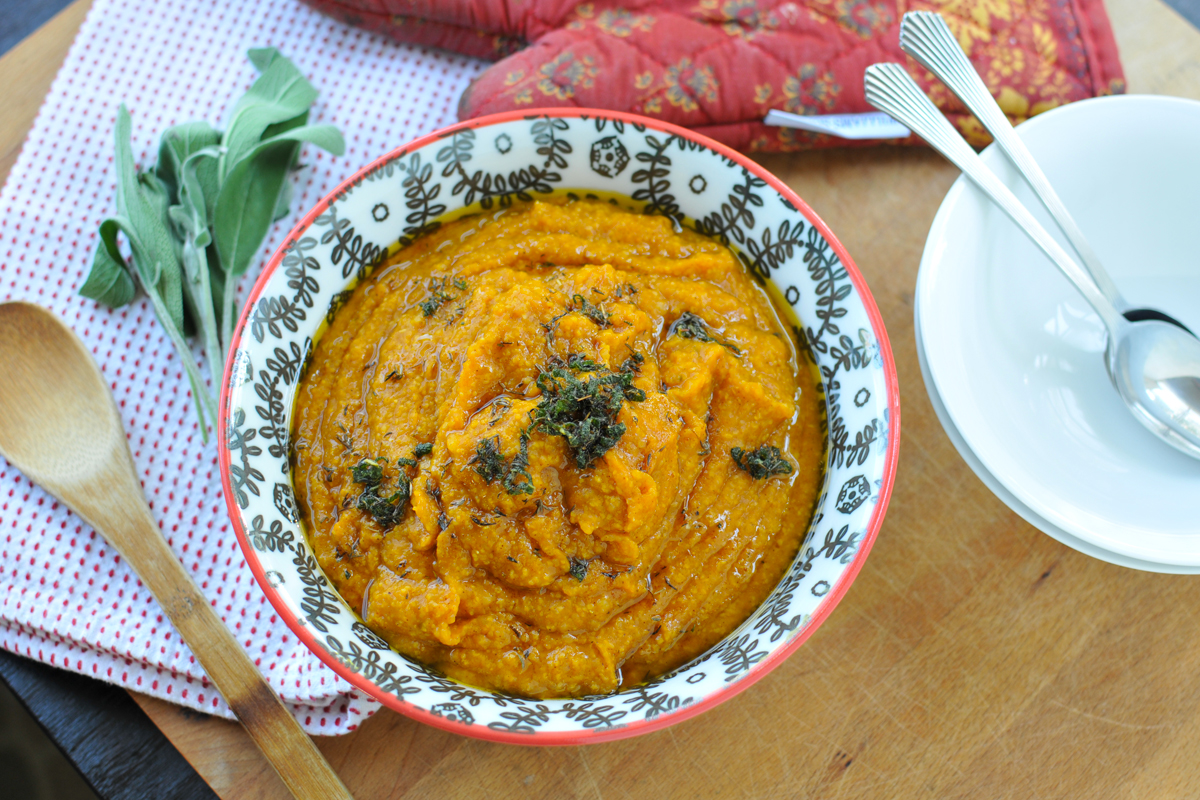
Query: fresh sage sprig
[(195, 222)]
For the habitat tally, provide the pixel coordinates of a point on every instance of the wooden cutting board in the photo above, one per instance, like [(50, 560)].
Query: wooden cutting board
[(973, 658)]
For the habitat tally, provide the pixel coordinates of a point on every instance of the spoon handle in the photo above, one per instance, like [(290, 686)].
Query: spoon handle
[(926, 37), (113, 504), (890, 89)]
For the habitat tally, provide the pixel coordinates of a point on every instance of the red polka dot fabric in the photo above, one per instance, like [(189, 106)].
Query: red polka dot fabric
[(66, 598)]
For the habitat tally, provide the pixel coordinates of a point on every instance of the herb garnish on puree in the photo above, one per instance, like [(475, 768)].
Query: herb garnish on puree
[(626, 448)]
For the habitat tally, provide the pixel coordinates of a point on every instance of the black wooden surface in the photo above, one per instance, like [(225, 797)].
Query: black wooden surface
[(108, 738), (32, 766)]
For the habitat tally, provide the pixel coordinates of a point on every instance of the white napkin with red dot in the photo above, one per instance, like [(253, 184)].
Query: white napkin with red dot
[(66, 598)]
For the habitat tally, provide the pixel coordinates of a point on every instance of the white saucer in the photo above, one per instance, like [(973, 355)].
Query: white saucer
[(1013, 356)]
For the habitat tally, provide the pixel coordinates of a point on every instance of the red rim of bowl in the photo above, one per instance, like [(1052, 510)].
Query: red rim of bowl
[(635, 728)]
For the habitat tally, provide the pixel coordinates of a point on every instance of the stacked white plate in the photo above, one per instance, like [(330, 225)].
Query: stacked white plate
[(1012, 356)]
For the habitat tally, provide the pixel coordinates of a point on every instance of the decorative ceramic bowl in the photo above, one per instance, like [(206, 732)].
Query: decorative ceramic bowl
[(661, 169)]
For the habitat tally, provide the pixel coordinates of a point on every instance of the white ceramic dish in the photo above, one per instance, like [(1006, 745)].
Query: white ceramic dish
[(1009, 499), (660, 168), (1014, 353)]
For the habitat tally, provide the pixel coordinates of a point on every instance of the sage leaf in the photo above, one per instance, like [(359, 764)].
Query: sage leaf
[(182, 142), (245, 212), (199, 293), (148, 238), (280, 93), (142, 204), (286, 125), (190, 215), (249, 195), (284, 203), (326, 137), (216, 279), (205, 407), (246, 206), (249, 204), (262, 57), (156, 236), (190, 220), (110, 281)]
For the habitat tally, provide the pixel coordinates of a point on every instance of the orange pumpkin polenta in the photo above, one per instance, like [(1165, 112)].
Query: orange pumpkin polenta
[(558, 448)]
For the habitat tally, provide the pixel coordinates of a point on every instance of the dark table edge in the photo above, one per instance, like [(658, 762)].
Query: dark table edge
[(105, 735)]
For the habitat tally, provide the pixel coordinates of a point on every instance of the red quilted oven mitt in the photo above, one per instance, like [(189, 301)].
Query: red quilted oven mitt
[(718, 66)]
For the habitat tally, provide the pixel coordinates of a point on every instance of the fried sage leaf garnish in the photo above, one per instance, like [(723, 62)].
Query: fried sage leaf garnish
[(761, 463), (584, 412), (491, 466), (593, 312), (579, 568), (386, 510), (690, 326)]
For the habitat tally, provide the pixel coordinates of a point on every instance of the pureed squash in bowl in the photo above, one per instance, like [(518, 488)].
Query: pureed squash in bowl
[(557, 449)]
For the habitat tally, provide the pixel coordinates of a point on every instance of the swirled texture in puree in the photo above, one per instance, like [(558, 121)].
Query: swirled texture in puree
[(587, 578)]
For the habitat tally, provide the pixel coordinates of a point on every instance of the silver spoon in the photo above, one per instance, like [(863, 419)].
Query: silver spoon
[(926, 37), (1154, 365)]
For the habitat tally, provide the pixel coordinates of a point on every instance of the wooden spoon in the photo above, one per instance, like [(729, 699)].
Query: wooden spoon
[(59, 425)]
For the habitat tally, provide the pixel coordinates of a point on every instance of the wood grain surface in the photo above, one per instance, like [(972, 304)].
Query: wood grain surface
[(974, 657)]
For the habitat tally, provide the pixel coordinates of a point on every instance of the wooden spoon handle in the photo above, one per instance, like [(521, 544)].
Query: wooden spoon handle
[(126, 523)]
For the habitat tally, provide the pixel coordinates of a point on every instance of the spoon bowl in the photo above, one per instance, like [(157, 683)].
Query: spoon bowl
[(1155, 366), (50, 376)]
